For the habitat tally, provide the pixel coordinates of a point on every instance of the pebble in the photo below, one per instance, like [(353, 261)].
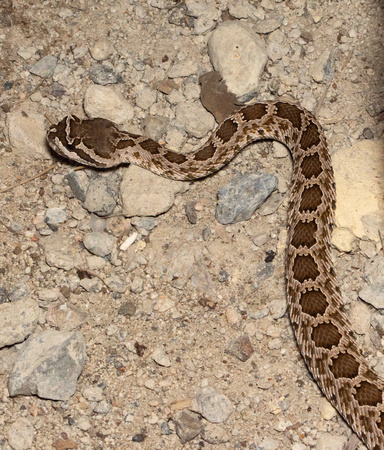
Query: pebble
[(78, 182), (26, 132), (27, 52), (93, 393), (102, 408), (127, 309), (239, 199), (327, 411), (269, 23), (328, 441), (104, 75), (48, 365), (45, 67), (322, 70), (99, 244), (108, 103), (137, 285), (315, 10), (145, 97), (18, 320), (101, 49), (196, 120), (271, 204), (61, 251), (54, 216), (232, 315), (146, 194), (187, 427), (116, 284), (155, 127), (20, 434), (214, 434), (161, 358), (163, 304), (84, 423), (101, 196), (238, 54), (68, 317), (213, 405), (241, 348), (148, 223)]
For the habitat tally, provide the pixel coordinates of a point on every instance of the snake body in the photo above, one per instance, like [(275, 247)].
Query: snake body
[(322, 329)]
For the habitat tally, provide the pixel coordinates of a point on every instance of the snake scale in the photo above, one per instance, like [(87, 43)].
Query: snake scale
[(323, 331)]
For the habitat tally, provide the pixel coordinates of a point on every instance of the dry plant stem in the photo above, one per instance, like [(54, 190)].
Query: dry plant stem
[(28, 179)]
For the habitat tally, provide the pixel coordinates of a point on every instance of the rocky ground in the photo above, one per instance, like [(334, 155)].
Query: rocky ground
[(132, 314)]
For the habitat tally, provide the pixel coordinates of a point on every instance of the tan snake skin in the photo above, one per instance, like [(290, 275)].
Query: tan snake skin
[(322, 329)]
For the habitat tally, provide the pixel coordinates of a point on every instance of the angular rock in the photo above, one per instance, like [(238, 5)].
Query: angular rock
[(238, 53), (17, 321), (61, 252), (239, 199), (213, 405), (241, 348), (187, 427), (49, 365)]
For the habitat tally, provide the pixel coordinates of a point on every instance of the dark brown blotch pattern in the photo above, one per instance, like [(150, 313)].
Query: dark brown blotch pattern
[(227, 129), (176, 158), (326, 336), (311, 198), (310, 136), (205, 153), (289, 112), (254, 112), (311, 166), (304, 234), (344, 365), (305, 268), (150, 146), (313, 303), (124, 143), (368, 394)]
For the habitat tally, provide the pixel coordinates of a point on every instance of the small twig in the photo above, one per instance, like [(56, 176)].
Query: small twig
[(28, 179), (322, 98)]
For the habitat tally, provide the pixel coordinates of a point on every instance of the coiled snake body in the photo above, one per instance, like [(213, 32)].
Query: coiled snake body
[(322, 329)]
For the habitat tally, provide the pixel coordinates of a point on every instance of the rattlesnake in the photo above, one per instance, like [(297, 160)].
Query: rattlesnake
[(323, 332)]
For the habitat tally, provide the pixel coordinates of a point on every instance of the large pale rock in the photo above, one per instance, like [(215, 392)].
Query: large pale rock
[(359, 175), (146, 194), (27, 133), (49, 365), (106, 102), (239, 55)]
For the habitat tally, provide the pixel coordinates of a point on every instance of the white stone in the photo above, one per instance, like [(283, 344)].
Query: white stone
[(329, 441), (343, 239), (327, 411), (196, 119), (20, 434), (146, 97), (101, 50), (106, 102), (360, 317), (27, 132), (146, 194), (359, 186), (239, 55)]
